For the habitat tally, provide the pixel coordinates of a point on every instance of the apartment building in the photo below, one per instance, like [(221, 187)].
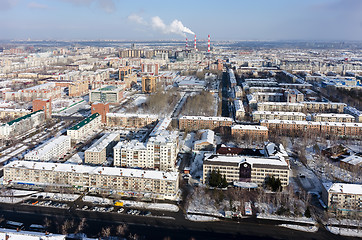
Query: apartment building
[(45, 105), (7, 113), (206, 142), (98, 152), (126, 76), (130, 120), (46, 90), (159, 152), (109, 94), (85, 127), (247, 169), (293, 96), (295, 116), (280, 107), (128, 182), (352, 130), (352, 163), (310, 107), (148, 84), (51, 150), (250, 131), (239, 110), (200, 122), (343, 198), (22, 124), (354, 112), (332, 117)]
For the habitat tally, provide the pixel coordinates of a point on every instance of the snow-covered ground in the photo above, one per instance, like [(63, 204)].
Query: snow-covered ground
[(97, 200), (58, 196), (198, 218), (133, 204), (285, 218), (345, 231), (196, 165), (345, 222), (12, 199), (300, 228), (187, 144), (77, 158), (16, 193)]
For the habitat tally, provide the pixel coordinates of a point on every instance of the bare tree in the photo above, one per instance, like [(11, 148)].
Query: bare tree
[(106, 232), (121, 229)]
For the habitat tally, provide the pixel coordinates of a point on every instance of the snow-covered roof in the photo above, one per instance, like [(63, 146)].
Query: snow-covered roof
[(161, 126), (340, 115), (132, 115), (353, 160), (275, 161), (340, 124), (134, 145), (103, 142), (84, 169), (281, 103), (207, 136), (207, 118), (343, 188), (279, 113), (238, 104), (44, 148), (250, 127)]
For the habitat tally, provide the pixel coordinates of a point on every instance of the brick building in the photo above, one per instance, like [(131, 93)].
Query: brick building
[(45, 105)]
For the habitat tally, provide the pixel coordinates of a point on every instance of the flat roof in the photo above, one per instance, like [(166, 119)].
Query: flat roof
[(103, 142), (353, 160), (250, 127), (207, 118), (343, 188), (261, 161)]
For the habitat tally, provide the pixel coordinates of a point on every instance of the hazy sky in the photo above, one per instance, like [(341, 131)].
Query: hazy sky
[(155, 19)]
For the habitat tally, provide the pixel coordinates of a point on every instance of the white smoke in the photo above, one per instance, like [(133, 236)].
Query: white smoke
[(176, 26)]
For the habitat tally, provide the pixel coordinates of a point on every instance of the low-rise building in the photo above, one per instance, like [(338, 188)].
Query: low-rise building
[(343, 198), (293, 96), (7, 113), (133, 182), (201, 122), (247, 169), (354, 112), (206, 142), (130, 120), (352, 163), (51, 150), (97, 153), (22, 124), (250, 131), (352, 130), (239, 110), (109, 94), (332, 117), (85, 127), (295, 116)]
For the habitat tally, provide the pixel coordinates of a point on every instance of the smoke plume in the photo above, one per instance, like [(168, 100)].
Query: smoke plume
[(175, 27)]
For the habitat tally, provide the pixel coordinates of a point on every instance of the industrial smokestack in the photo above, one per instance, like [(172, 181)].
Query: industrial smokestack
[(186, 45), (208, 43), (195, 44)]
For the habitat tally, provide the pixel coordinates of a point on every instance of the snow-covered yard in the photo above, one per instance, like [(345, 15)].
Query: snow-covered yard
[(199, 218), (285, 218), (300, 228), (345, 231)]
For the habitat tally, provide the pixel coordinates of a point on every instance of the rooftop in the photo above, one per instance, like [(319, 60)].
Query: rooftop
[(22, 118), (85, 121), (103, 142), (343, 188), (110, 171)]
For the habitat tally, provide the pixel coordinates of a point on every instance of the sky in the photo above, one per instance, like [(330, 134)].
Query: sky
[(339, 20)]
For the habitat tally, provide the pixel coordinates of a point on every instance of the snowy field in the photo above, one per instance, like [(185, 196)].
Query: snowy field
[(198, 218), (300, 228)]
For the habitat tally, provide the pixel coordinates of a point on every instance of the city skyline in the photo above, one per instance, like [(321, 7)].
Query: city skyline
[(161, 20)]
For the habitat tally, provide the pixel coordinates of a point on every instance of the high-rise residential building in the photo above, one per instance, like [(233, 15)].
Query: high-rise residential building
[(45, 105), (102, 109), (148, 84)]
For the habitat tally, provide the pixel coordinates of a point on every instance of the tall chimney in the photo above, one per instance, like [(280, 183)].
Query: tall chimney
[(186, 44), (208, 43), (195, 44)]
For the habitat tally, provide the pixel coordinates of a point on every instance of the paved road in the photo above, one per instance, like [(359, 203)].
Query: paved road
[(158, 228)]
